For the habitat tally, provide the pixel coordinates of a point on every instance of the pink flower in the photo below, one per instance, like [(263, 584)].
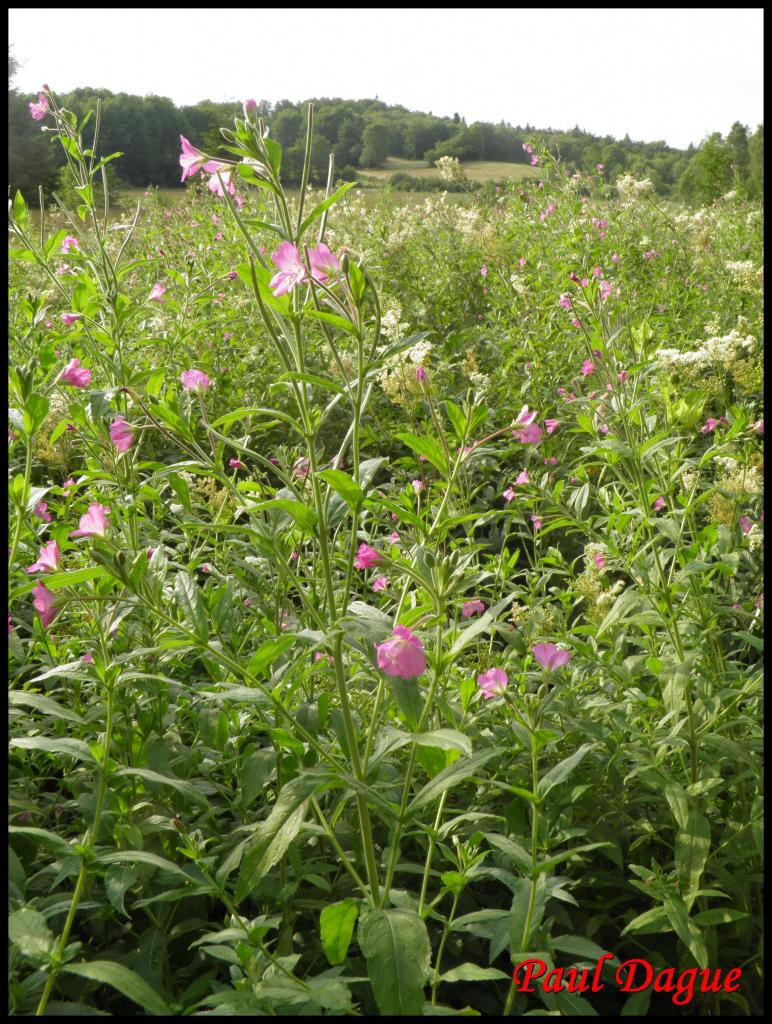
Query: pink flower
[(294, 556), (605, 290), (381, 583), (523, 478), (659, 504), (69, 244), (710, 425), (236, 464), (41, 511), (68, 485), (492, 682), (195, 381), (192, 160), (121, 434), (597, 272), (551, 425), (225, 172), (291, 269), (420, 373), (93, 523), (394, 538), (418, 486), (599, 560), (536, 522), (367, 557), (71, 318), (745, 525), (10, 624), (599, 167), (603, 428), (48, 559), (551, 461), (88, 658), (40, 109), (402, 655), (483, 271), (623, 376), (576, 323), (45, 602), (524, 417), (758, 426), (250, 106), (530, 435), (75, 375), (534, 160), (156, 295), (588, 367), (509, 494), (522, 261), (550, 656), (324, 264), (301, 468), (615, 257), (565, 301), (473, 607)]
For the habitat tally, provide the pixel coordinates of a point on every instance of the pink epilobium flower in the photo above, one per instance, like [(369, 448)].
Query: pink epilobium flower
[(745, 526), (523, 478), (420, 374), (157, 294), (551, 461), (472, 607), (603, 428), (93, 523), (301, 467), (121, 434), (41, 511), (576, 323), (68, 485), (529, 435), (550, 656), (622, 376), (45, 603), (381, 583), (250, 106), (565, 301), (324, 263), (71, 318), (291, 269), (659, 504), (483, 271), (524, 417), (710, 425), (418, 486), (75, 375), (509, 494), (551, 425), (492, 682), (39, 110), (367, 557), (48, 559), (236, 464), (401, 655), (69, 244), (605, 290), (88, 658), (195, 381), (599, 167), (534, 160), (220, 171), (599, 560), (588, 367), (394, 538), (192, 160), (536, 522), (758, 426)]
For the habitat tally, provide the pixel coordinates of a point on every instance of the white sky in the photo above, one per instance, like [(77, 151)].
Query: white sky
[(665, 74)]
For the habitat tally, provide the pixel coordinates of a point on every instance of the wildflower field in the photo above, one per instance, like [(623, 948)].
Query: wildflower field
[(385, 596)]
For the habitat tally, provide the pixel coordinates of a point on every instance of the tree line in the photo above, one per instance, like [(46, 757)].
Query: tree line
[(362, 134)]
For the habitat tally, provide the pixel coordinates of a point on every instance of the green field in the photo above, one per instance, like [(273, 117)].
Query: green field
[(477, 170)]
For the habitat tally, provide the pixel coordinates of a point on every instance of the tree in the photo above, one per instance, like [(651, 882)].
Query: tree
[(376, 144)]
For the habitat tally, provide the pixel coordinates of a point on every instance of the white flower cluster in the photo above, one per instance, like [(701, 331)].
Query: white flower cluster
[(517, 282), (744, 274), (450, 169), (755, 538), (398, 375), (737, 478), (718, 351), (392, 325), (629, 187)]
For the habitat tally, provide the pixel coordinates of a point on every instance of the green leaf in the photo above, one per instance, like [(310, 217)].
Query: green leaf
[(686, 930), (471, 972), (718, 916), (304, 516), (396, 946), (562, 770), (19, 209), (124, 981), (35, 412), (45, 705), (577, 945), (268, 653), (144, 857), (427, 447), (63, 747), (324, 205), (191, 606), (186, 789), (456, 773), (332, 319), (28, 929), (344, 485), (627, 602), (337, 927), (444, 739), (691, 852), (457, 418), (43, 837), (679, 803)]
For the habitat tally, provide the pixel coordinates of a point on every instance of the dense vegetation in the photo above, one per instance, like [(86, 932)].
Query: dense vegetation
[(362, 134), (386, 594)]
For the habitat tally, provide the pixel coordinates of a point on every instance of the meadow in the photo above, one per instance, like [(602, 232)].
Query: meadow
[(385, 606)]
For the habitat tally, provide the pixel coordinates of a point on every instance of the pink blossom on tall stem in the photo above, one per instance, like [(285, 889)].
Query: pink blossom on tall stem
[(758, 426), (121, 434), (605, 290), (291, 269), (622, 376), (75, 375), (236, 464), (523, 478), (324, 264), (221, 171), (483, 271), (157, 294), (71, 318), (250, 106), (195, 381), (710, 426), (48, 559), (367, 557), (745, 525), (550, 656), (418, 486), (401, 655), (192, 159), (420, 373), (381, 583), (39, 110), (551, 425), (536, 522), (599, 560), (41, 511), (588, 367), (70, 243), (530, 434), (492, 682), (394, 538), (509, 494), (472, 607), (45, 603), (659, 504), (301, 467), (524, 417), (93, 523)]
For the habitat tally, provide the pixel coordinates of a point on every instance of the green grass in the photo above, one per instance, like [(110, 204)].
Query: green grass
[(477, 170)]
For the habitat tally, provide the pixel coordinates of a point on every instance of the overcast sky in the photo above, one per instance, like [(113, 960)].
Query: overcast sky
[(655, 74)]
